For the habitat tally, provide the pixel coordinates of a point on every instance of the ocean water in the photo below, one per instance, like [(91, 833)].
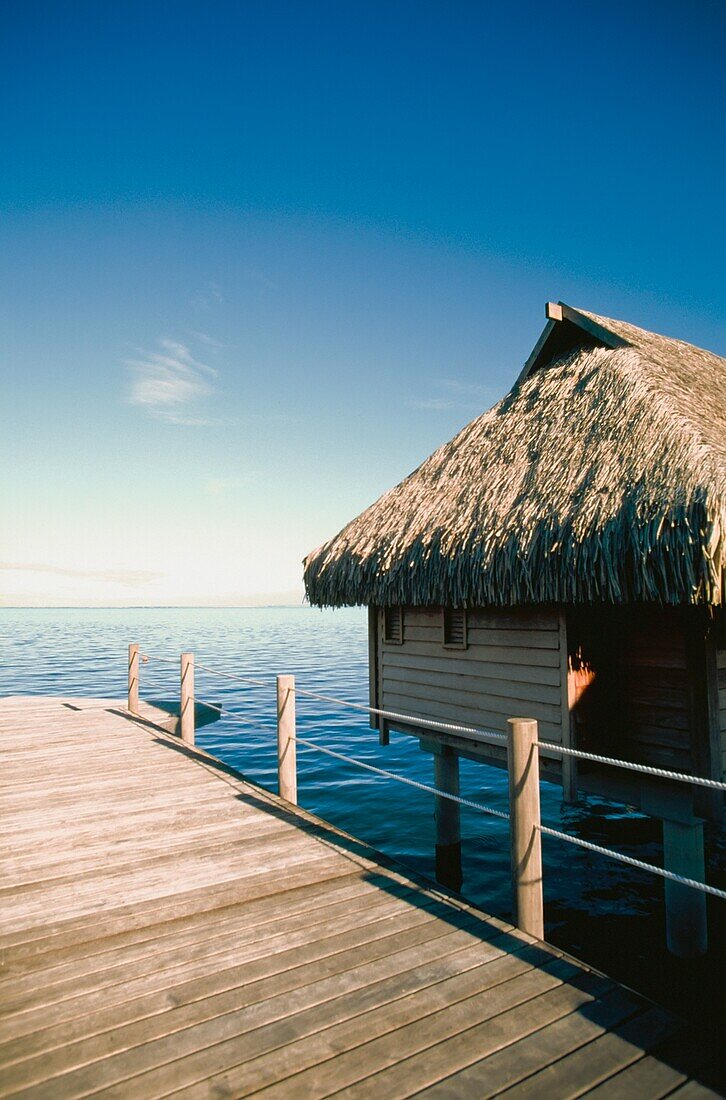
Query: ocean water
[(601, 911)]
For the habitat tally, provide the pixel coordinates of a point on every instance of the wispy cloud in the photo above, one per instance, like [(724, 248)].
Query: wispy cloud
[(474, 390), (132, 577), (210, 296), (170, 384), (434, 403), (207, 340), (455, 394)]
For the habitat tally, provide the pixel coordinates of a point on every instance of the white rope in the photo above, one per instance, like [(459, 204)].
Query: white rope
[(702, 886), (403, 779), (633, 767), (164, 660), (544, 829), (237, 679), (413, 719), (451, 727), (428, 723), (235, 717), (370, 767)]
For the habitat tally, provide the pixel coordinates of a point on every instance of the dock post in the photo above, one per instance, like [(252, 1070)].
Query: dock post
[(683, 853), (448, 818), (686, 922), (286, 746), (133, 703), (526, 840), (186, 710)]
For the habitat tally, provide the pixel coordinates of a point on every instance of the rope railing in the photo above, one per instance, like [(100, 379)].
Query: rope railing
[(546, 830), (146, 657), (631, 765), (410, 719), (671, 876), (235, 678), (523, 746), (232, 715), (453, 727), (482, 735), (402, 779)]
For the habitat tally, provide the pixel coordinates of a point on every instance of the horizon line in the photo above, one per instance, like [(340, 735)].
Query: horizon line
[(166, 607)]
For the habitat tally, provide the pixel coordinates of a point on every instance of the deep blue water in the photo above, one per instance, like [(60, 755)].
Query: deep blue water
[(601, 911)]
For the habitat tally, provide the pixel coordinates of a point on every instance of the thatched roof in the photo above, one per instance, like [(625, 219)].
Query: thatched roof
[(601, 477)]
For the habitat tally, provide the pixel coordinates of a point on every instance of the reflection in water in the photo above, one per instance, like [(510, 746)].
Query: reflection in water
[(601, 911)]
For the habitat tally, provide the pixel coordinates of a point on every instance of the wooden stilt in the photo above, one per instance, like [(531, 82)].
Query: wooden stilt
[(686, 924), (448, 818)]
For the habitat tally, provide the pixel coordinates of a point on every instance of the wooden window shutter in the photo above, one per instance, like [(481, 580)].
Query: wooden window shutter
[(455, 627), (393, 625)]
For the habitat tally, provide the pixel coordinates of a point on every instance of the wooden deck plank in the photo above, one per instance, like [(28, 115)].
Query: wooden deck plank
[(169, 906), (327, 1061), (145, 1064), (419, 926), (248, 984), (658, 1072), (49, 984), (128, 858), (266, 1049), (651, 1077), (98, 897), (75, 979), (22, 869), (694, 1090), (390, 977), (167, 927), (294, 905), (547, 1047), (282, 910), (571, 1076)]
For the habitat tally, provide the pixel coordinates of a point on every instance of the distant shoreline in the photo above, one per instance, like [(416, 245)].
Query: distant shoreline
[(170, 607)]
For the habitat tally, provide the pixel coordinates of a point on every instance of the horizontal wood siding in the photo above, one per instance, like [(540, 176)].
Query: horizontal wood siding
[(658, 706), (510, 668), (721, 681), (635, 685)]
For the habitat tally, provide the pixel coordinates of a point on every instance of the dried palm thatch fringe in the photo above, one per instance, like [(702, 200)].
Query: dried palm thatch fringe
[(602, 478)]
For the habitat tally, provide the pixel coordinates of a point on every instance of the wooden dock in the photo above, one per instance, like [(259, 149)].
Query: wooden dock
[(169, 928)]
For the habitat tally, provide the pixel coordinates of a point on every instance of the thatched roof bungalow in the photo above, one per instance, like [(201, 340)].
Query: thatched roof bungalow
[(564, 554)]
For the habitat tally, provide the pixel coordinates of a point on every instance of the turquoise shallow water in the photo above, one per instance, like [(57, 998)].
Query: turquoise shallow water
[(602, 911)]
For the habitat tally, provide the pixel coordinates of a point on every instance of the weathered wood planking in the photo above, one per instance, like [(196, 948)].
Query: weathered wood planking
[(721, 689), (511, 665), (168, 927)]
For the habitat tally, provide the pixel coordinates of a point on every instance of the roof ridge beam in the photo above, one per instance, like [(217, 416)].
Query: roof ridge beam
[(550, 343)]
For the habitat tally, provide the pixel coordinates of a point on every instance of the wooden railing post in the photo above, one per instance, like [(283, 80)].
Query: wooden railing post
[(286, 748), (133, 704), (187, 698), (523, 761)]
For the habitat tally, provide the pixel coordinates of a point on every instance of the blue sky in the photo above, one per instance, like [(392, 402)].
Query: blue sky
[(258, 260)]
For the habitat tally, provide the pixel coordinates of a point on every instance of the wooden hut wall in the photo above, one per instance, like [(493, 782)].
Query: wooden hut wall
[(659, 682), (719, 701), (634, 679), (640, 686), (512, 665)]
